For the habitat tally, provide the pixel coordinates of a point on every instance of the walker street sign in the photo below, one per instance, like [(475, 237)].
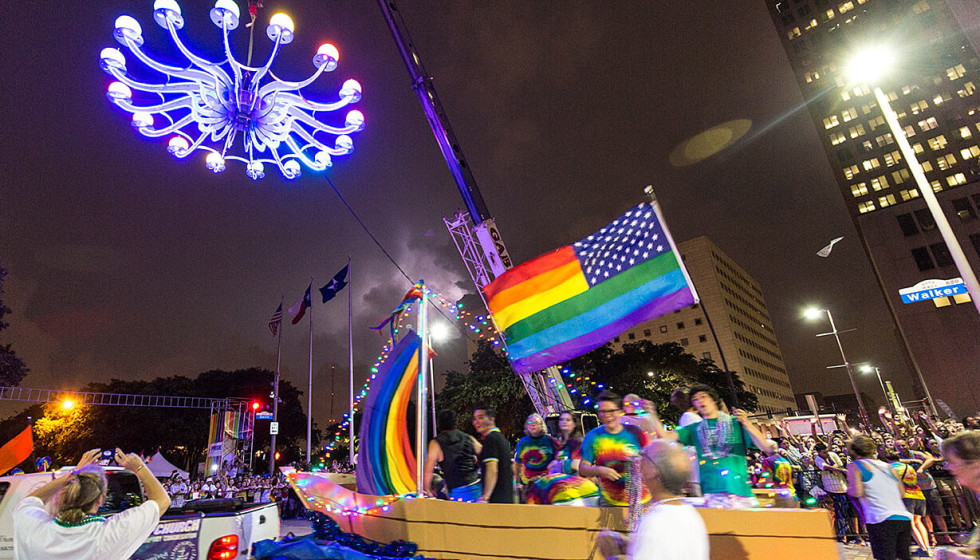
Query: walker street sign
[(932, 289)]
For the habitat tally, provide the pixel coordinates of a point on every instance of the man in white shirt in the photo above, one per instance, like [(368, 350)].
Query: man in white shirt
[(670, 529)]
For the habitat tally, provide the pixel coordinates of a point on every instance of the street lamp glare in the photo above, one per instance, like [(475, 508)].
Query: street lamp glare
[(866, 368), (812, 313), (870, 64), (439, 331), (67, 404)]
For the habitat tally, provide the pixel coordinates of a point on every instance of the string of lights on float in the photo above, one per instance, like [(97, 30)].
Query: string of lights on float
[(478, 325), (203, 102)]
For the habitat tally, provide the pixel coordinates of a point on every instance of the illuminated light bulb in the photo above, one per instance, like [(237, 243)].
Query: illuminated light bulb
[(255, 170), (178, 145), (281, 28), (141, 119), (128, 29), (112, 58), (322, 159), (225, 13), (119, 91), (215, 162), (351, 89), (167, 11), (292, 169), (328, 56), (356, 119)]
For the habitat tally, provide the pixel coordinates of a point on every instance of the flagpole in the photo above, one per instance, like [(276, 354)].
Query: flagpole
[(275, 391), (309, 391), (350, 363), (690, 282), (420, 420)]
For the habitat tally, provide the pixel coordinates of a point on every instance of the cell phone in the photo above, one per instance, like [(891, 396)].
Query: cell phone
[(107, 456)]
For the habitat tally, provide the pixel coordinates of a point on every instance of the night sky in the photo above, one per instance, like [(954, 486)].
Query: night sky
[(126, 263)]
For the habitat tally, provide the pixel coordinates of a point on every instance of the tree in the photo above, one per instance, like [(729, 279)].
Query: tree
[(490, 381), (652, 371), (180, 433), (12, 368)]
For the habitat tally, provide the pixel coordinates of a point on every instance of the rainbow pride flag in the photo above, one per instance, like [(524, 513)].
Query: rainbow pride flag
[(572, 300), (385, 460)]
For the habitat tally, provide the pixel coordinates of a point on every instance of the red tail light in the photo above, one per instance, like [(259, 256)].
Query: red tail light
[(225, 548)]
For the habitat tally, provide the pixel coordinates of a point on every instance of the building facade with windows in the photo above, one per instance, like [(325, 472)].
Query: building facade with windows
[(734, 303), (933, 89)]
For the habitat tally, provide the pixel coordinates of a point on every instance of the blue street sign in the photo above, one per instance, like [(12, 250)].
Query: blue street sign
[(932, 289), (263, 416)]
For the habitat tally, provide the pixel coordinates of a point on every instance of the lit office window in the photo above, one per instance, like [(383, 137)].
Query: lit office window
[(879, 183), (870, 164), (887, 200), (845, 7), (918, 107), (876, 122), (884, 140), (957, 179), (900, 176), (851, 171), (849, 114), (955, 72), (920, 7), (946, 161), (971, 152), (892, 158), (967, 90), (859, 189), (837, 138), (866, 207), (965, 132), (856, 130), (937, 143), (831, 121), (909, 194), (909, 131), (793, 33), (927, 124)]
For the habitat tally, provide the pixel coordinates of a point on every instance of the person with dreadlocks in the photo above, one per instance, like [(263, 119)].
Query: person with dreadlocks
[(722, 442), (59, 519)]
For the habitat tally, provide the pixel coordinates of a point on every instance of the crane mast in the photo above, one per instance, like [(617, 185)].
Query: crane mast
[(474, 232)]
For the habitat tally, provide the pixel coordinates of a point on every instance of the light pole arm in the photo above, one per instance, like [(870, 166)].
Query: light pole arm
[(925, 190)]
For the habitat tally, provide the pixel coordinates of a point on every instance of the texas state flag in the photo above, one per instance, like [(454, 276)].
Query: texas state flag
[(298, 309)]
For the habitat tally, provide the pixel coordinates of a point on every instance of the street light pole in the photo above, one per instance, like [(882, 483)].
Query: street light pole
[(847, 366), (925, 190), (868, 368)]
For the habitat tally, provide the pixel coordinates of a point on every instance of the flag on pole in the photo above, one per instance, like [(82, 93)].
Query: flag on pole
[(15, 451), (337, 283), (572, 300), (413, 295), (298, 309), (276, 320)]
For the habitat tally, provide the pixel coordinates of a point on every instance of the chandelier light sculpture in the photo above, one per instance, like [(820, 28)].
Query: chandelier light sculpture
[(223, 107)]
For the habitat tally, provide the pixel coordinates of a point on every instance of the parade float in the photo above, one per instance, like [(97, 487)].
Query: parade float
[(558, 306)]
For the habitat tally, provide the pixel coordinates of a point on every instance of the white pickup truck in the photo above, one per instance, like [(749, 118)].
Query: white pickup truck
[(202, 530)]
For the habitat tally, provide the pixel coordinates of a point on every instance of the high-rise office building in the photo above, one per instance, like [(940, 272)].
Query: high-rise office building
[(733, 301), (933, 89)]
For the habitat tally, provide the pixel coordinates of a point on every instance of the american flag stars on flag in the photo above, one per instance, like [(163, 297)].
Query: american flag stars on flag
[(632, 239)]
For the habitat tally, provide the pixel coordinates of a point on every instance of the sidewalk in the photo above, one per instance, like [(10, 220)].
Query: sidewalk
[(854, 552)]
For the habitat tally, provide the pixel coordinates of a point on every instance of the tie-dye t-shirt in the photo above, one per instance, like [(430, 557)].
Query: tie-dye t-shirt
[(569, 452), (535, 453), (910, 482), (604, 449)]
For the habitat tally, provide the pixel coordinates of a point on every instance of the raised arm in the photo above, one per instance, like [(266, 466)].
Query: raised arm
[(154, 490), (658, 426), (48, 491), (758, 438)]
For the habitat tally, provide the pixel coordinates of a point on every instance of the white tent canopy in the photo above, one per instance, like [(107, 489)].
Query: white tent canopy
[(162, 468)]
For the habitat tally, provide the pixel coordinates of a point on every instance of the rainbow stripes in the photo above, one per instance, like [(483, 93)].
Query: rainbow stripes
[(385, 460), (572, 300)]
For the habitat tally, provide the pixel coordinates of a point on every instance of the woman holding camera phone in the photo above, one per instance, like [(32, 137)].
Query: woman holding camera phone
[(58, 520)]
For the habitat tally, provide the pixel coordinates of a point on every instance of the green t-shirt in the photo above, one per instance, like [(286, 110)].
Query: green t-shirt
[(727, 474)]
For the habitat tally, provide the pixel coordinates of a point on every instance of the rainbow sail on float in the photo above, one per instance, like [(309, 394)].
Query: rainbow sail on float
[(572, 300), (385, 460)]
